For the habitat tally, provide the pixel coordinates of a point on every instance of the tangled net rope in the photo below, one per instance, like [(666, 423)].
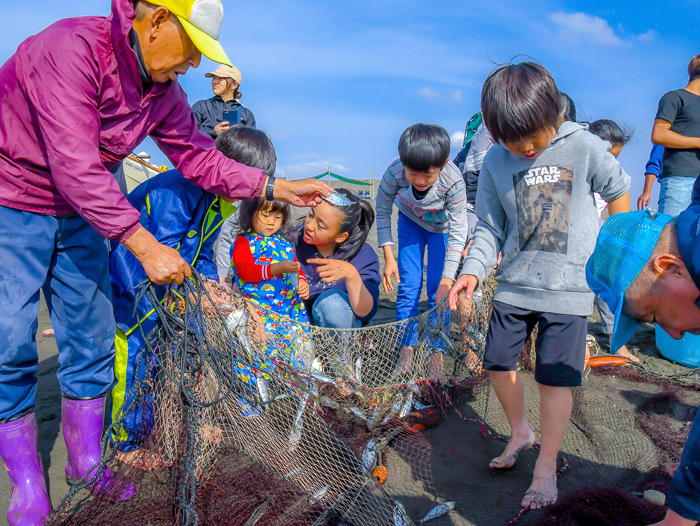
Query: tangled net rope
[(251, 419)]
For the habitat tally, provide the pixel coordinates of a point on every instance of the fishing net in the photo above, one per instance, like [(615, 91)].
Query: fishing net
[(253, 419)]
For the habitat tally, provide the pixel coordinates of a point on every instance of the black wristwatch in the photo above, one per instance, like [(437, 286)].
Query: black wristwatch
[(270, 188)]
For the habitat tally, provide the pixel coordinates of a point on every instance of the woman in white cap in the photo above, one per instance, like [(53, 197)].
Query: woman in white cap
[(225, 81)]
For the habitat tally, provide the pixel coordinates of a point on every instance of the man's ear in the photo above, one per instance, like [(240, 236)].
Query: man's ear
[(342, 237), (666, 265), (159, 16)]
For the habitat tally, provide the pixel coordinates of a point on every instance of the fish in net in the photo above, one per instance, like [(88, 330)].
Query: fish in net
[(255, 424)]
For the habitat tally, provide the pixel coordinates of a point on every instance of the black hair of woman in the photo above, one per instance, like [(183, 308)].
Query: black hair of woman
[(610, 131), (250, 147), (249, 208)]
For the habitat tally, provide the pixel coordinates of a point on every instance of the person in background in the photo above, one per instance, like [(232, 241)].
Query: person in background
[(75, 100), (481, 143), (225, 82), (658, 282), (610, 132), (651, 173), (429, 193), (677, 129), (535, 205)]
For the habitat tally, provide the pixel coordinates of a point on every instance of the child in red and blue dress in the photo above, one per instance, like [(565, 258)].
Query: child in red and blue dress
[(269, 275)]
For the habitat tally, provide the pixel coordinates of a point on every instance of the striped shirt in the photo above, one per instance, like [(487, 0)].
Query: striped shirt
[(442, 209)]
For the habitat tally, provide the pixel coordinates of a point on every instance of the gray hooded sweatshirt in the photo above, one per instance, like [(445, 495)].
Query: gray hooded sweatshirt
[(541, 214)]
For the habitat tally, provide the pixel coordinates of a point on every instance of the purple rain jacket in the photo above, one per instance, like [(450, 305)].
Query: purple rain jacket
[(72, 106)]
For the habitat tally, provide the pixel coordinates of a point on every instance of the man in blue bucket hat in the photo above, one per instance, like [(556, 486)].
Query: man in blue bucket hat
[(647, 268)]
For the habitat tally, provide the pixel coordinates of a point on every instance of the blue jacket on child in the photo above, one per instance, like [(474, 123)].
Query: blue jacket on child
[(181, 216)]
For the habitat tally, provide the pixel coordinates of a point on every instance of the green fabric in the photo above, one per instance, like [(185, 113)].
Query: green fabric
[(472, 127), (344, 179)]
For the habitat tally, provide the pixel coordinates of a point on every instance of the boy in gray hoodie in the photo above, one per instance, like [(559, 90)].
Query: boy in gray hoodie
[(535, 205)]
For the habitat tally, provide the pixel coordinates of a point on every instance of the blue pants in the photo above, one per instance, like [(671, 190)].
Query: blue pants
[(129, 369), (675, 194), (332, 309), (67, 259), (413, 242)]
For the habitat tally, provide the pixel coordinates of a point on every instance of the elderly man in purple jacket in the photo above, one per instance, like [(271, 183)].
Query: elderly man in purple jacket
[(75, 100)]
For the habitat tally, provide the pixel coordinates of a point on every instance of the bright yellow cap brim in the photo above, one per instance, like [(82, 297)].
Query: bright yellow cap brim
[(209, 47)]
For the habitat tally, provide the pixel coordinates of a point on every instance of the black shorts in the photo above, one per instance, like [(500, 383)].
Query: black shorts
[(560, 345)]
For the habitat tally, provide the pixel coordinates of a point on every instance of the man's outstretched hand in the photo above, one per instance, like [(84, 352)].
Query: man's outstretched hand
[(301, 193)]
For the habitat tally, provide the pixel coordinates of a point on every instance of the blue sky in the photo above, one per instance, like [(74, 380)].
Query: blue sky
[(335, 83)]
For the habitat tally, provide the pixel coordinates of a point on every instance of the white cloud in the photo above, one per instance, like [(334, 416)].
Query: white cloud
[(457, 139), (429, 94), (648, 36), (584, 26), (456, 95)]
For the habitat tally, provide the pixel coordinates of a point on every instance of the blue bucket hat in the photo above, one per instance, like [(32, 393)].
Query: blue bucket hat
[(625, 244)]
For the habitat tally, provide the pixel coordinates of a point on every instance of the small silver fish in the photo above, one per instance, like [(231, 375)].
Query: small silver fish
[(472, 346), (418, 406), (293, 473), (478, 297), (369, 456), (444, 337), (298, 426), (373, 419), (413, 386), (318, 495), (263, 389), (255, 517), (323, 378), (438, 511), (394, 409), (400, 515), (329, 402), (406, 407), (358, 413), (478, 337), (358, 369), (237, 321), (316, 365)]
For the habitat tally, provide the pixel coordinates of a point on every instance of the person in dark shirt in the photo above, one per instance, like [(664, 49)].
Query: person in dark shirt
[(341, 268), (660, 284), (225, 82), (677, 129)]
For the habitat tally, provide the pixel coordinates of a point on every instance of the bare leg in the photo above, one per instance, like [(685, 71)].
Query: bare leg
[(511, 394), (555, 411), (405, 361), (436, 369), (624, 352)]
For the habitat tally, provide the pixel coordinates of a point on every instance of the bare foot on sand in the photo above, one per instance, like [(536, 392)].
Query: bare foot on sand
[(143, 459), (435, 368), (516, 445), (405, 361), (542, 492), (624, 352)]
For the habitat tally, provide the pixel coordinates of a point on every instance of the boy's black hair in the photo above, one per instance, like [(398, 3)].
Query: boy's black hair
[(248, 209), (424, 146), (519, 100), (694, 68), (250, 147), (610, 131)]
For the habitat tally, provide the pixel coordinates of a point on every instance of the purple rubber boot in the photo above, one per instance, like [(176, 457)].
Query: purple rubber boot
[(29, 503), (82, 430)]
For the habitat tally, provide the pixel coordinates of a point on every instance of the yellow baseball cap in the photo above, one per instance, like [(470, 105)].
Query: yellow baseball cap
[(202, 21)]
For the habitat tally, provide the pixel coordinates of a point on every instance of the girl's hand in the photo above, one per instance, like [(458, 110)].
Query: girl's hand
[(303, 289), (466, 282), (331, 270), (284, 267), (391, 268)]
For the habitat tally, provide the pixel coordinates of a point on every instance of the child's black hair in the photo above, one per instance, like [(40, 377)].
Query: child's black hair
[(519, 100), (610, 131), (358, 221), (248, 209), (568, 109), (424, 146), (250, 147)]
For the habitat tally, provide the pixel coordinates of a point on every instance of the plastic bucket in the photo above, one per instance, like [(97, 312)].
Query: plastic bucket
[(685, 351)]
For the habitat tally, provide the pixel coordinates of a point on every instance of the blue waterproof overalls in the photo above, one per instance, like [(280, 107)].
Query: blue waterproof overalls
[(186, 218)]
